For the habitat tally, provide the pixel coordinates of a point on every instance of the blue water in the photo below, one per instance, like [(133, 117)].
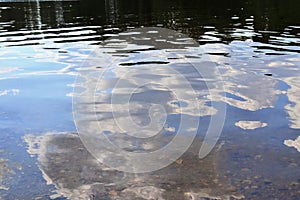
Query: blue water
[(254, 44)]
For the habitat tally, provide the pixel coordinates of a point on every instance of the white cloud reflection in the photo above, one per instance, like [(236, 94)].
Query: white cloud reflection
[(246, 86), (244, 89), (293, 143), (12, 92), (293, 109), (141, 89), (250, 125)]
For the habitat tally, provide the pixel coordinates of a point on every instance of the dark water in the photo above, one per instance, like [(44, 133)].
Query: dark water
[(254, 44)]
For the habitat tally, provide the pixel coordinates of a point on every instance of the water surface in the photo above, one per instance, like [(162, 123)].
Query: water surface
[(255, 46)]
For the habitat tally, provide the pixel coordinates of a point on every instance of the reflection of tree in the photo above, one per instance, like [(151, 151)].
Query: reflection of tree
[(33, 15), (187, 16), (59, 13), (111, 11)]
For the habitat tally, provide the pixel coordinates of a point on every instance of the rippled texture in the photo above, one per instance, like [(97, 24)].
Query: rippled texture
[(255, 46)]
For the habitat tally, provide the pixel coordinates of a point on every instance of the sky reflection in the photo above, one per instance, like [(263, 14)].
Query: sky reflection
[(253, 44)]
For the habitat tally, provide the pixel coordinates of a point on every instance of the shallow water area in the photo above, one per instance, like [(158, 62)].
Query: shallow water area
[(48, 48)]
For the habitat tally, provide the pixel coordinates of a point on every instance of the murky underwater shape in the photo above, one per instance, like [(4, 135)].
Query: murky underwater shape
[(253, 44)]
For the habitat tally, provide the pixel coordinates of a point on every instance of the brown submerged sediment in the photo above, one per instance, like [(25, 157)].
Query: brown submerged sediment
[(66, 163)]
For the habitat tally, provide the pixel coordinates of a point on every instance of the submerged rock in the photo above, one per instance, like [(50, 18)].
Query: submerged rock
[(147, 192), (207, 194), (3, 170), (66, 163)]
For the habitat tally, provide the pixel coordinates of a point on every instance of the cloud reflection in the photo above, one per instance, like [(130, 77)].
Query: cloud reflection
[(132, 86), (293, 143), (250, 125), (12, 92)]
